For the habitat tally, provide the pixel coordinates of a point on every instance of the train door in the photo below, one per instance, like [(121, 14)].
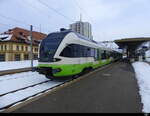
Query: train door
[(76, 56)]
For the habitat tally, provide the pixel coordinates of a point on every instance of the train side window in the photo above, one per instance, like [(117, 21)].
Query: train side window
[(97, 54), (85, 52), (92, 52), (66, 52), (104, 56), (107, 55), (88, 52), (75, 50)]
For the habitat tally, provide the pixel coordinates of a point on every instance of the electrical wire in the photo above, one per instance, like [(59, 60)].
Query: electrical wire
[(17, 21), (54, 10)]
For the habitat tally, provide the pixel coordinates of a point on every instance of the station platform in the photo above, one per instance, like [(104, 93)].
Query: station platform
[(111, 90)]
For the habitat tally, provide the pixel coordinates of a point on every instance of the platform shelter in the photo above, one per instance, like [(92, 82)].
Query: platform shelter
[(131, 44)]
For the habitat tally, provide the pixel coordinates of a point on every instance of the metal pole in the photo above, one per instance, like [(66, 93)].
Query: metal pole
[(31, 45), (149, 45)]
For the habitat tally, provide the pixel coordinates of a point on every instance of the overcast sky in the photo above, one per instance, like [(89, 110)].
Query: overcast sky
[(110, 19)]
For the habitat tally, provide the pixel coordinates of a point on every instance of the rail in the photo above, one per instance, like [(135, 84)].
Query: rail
[(7, 72)]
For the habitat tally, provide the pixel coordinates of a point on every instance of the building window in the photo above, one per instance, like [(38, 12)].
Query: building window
[(36, 49), (2, 57), (26, 57), (2, 47), (35, 57), (22, 48), (26, 48), (17, 48), (17, 57), (5, 47), (21, 33)]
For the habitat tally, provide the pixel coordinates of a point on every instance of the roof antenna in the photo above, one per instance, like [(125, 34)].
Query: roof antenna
[(80, 17)]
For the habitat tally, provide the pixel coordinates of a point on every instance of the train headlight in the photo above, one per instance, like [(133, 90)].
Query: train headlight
[(54, 71), (56, 59)]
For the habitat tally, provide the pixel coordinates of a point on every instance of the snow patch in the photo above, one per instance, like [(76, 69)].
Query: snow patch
[(16, 65), (5, 37), (147, 56), (142, 70), (19, 81), (23, 94)]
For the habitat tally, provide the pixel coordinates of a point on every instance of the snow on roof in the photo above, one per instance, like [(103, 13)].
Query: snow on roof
[(5, 37), (110, 46)]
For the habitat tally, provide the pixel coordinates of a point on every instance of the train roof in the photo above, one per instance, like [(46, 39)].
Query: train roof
[(85, 38), (62, 34)]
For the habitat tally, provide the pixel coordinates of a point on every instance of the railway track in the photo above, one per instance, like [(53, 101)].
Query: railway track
[(17, 98), (32, 91), (22, 88), (7, 72)]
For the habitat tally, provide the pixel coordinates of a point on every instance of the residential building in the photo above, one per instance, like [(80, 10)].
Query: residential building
[(15, 44), (84, 28)]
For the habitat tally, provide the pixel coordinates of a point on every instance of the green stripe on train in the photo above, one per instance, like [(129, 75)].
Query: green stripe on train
[(73, 69)]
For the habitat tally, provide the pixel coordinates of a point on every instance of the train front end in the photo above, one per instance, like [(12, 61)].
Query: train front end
[(47, 57)]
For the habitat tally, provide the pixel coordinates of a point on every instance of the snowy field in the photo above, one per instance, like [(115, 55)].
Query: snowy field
[(16, 65), (142, 70)]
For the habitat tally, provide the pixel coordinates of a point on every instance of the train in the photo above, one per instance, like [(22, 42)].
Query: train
[(67, 53)]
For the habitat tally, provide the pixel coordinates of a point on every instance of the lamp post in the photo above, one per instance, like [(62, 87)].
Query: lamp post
[(31, 46)]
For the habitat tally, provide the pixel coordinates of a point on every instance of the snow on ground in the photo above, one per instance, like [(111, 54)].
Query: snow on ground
[(14, 82), (16, 65), (142, 70), (29, 92), (148, 56), (19, 81), (5, 37)]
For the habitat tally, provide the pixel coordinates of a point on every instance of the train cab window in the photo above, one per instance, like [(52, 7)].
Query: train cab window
[(49, 46)]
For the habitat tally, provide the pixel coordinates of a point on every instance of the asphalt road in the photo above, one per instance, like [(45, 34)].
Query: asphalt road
[(112, 90)]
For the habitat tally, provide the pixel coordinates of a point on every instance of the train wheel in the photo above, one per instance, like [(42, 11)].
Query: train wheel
[(49, 77), (75, 76), (87, 70)]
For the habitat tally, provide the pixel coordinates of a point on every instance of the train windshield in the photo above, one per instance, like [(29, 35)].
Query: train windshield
[(49, 46)]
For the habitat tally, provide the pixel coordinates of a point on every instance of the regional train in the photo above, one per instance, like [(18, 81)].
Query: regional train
[(67, 53)]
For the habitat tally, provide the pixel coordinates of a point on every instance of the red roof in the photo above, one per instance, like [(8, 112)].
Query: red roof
[(19, 33)]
